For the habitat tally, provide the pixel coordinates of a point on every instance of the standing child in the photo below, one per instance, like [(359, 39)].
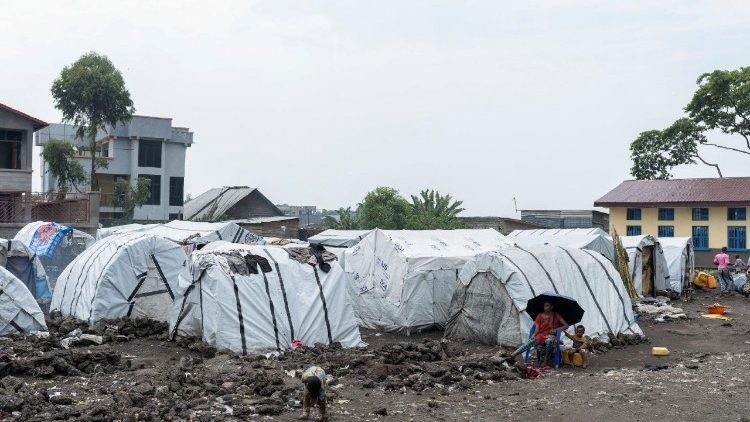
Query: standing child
[(580, 345), (314, 379)]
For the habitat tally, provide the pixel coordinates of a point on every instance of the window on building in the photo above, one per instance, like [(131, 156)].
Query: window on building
[(174, 216), (700, 214), (633, 230), (666, 231), (700, 237), (736, 214), (666, 214), (104, 149), (176, 191), (149, 153), (10, 149), (155, 188), (634, 214), (736, 238)]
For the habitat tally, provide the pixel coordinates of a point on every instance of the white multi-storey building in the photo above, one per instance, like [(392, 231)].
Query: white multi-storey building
[(145, 146)]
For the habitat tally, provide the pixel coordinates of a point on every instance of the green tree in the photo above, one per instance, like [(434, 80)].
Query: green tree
[(126, 197), (91, 93), (383, 208), (431, 210), (721, 103), (61, 162), (346, 220)]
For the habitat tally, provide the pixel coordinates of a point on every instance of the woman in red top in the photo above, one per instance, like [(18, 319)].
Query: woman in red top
[(547, 324)]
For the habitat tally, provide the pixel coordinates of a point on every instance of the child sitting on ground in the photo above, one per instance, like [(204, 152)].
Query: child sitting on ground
[(580, 345), (314, 379)]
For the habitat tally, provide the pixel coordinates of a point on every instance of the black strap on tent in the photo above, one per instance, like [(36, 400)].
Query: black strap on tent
[(273, 314), (588, 286), (612, 281), (519, 270), (283, 293), (185, 297), (325, 307), (98, 280), (237, 235), (152, 293), (239, 316), (549, 277), (161, 274), (141, 278), (11, 322), (219, 234), (94, 252)]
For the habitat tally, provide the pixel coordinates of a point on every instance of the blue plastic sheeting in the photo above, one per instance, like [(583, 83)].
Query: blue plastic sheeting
[(47, 239), (739, 281)]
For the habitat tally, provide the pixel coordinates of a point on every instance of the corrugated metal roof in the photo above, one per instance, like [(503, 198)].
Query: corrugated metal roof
[(725, 191), (215, 202)]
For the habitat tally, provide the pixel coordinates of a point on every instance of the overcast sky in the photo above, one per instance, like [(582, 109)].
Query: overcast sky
[(318, 102)]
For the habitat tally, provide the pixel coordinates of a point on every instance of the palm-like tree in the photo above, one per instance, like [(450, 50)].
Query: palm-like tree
[(346, 220), (431, 210)]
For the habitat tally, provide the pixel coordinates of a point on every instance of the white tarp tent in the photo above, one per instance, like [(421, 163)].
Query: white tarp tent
[(592, 239), (647, 264), (680, 257), (74, 243), (17, 258), (19, 312), (403, 280), (221, 300), (338, 238), (489, 304), (185, 232), (125, 275)]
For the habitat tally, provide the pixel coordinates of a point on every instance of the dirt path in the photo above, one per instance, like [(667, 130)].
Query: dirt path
[(416, 378)]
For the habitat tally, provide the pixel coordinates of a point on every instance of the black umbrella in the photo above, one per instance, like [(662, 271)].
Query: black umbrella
[(566, 306)]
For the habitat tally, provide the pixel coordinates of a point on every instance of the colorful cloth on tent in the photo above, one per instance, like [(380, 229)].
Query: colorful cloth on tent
[(47, 238)]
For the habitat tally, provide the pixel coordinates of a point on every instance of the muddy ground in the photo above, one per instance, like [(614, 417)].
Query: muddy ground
[(138, 375)]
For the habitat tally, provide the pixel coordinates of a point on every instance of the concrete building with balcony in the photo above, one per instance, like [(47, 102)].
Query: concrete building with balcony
[(16, 150), (145, 146)]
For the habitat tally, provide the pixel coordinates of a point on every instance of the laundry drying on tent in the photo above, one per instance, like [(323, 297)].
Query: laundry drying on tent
[(19, 312), (490, 302), (123, 275), (680, 257), (592, 239), (648, 266), (191, 234), (403, 280), (17, 258), (55, 244), (249, 298)]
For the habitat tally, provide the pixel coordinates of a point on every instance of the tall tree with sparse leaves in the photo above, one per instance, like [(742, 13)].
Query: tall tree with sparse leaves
[(128, 197), (721, 103), (61, 163), (431, 210), (91, 94)]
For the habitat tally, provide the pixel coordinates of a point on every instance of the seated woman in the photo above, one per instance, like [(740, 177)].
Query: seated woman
[(580, 346), (547, 324)]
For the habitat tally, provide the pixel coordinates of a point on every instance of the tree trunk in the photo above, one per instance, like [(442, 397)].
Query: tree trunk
[(92, 150)]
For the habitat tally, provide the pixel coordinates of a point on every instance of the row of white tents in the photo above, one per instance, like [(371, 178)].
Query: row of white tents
[(224, 284)]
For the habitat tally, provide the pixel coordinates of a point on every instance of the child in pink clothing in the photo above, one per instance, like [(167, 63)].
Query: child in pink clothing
[(725, 278)]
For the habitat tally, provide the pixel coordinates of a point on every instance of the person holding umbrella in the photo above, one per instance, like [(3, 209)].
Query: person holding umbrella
[(551, 313)]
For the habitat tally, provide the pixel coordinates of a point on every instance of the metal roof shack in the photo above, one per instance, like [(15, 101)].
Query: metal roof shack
[(727, 191), (230, 203)]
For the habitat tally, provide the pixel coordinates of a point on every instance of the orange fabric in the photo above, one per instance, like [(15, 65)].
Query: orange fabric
[(545, 326)]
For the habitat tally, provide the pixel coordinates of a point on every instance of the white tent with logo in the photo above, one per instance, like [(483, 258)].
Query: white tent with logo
[(73, 244), (680, 257), (19, 312), (489, 304), (227, 298), (648, 265), (592, 239), (403, 280), (338, 238), (17, 258), (187, 232), (124, 275)]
